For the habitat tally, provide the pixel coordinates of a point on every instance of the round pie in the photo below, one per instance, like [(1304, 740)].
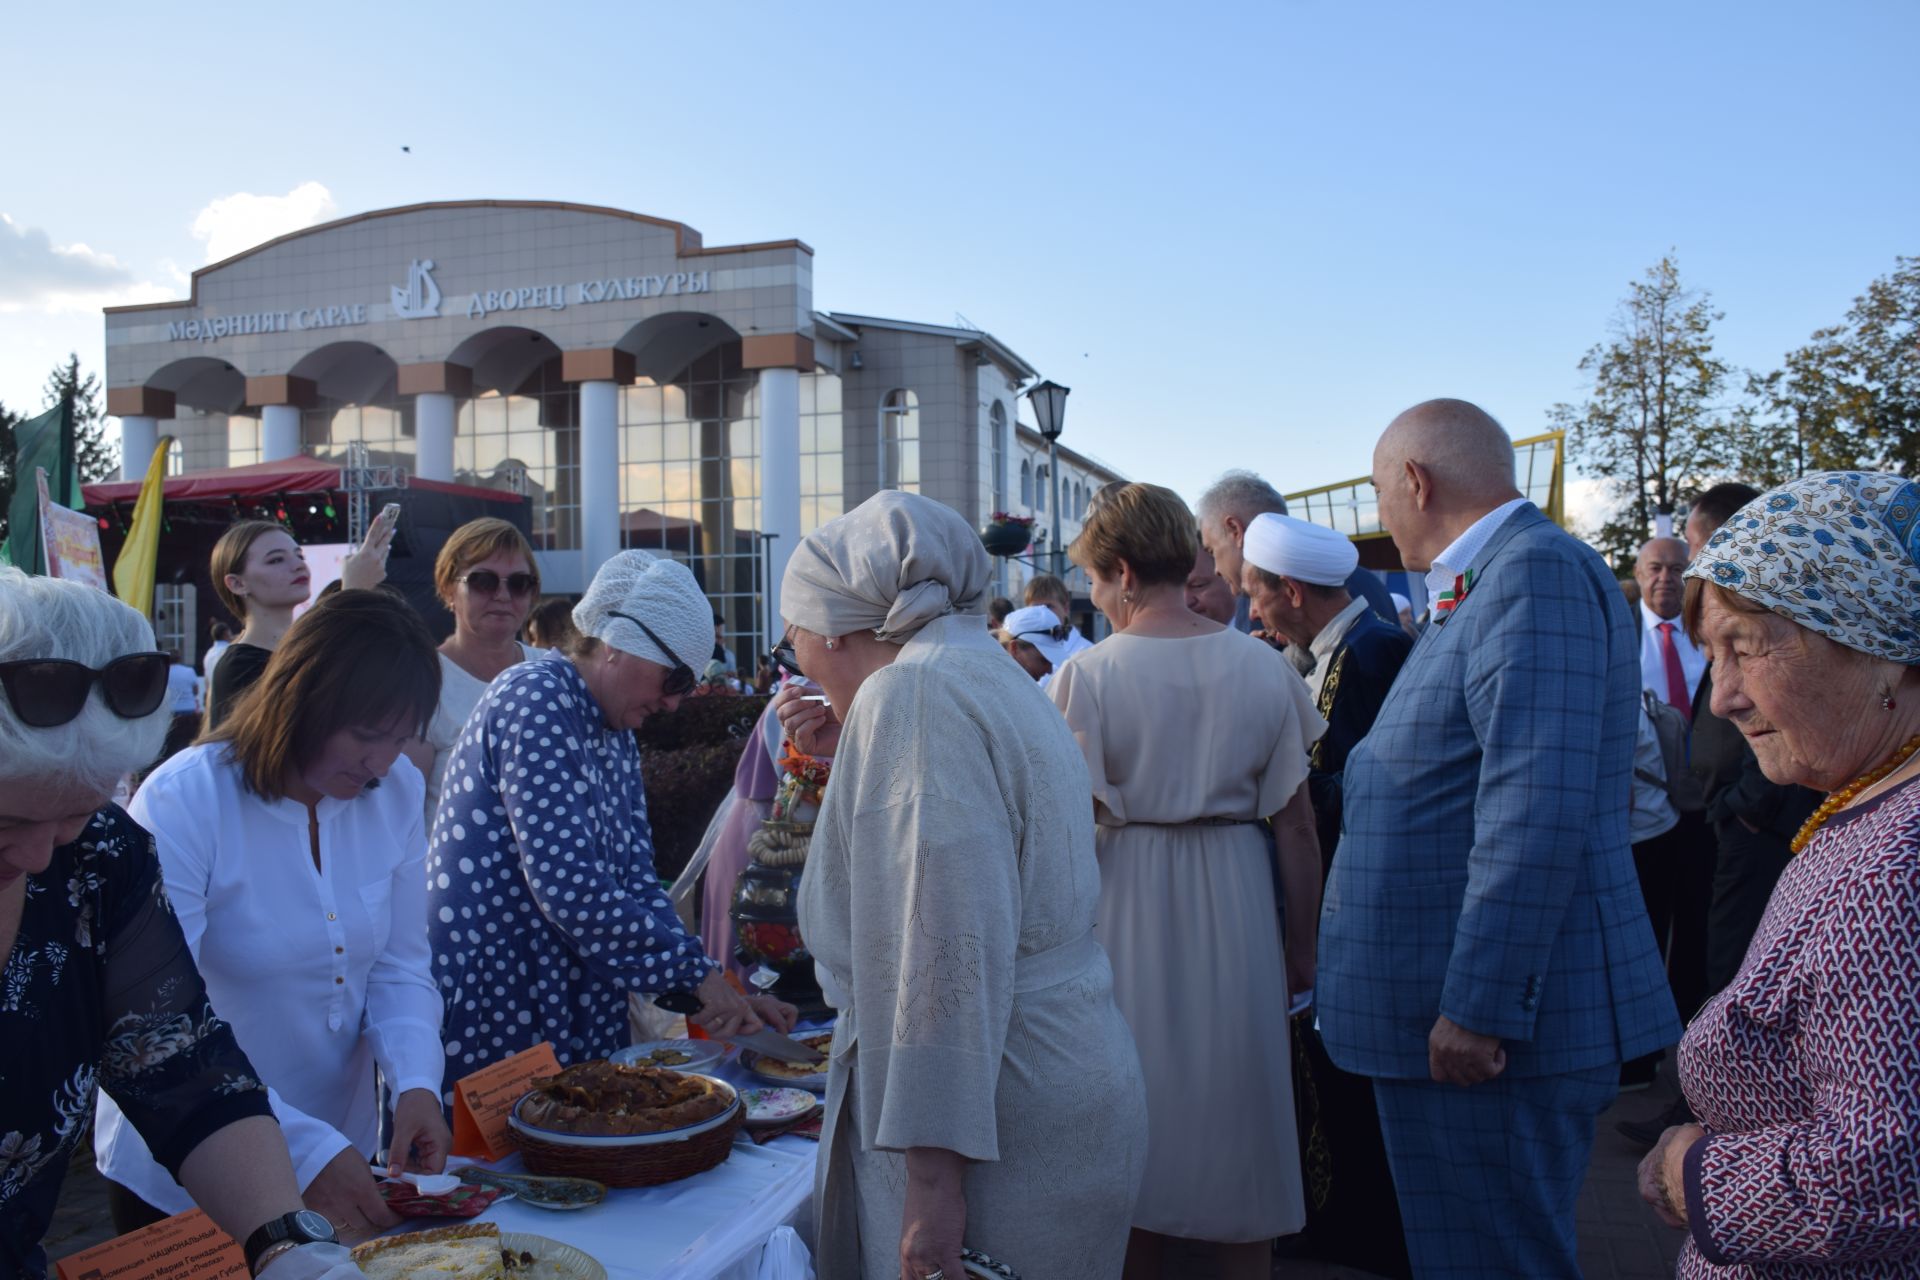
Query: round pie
[(600, 1099), (821, 1042)]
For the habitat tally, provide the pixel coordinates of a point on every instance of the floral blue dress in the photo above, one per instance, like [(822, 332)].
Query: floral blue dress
[(543, 907), (100, 989)]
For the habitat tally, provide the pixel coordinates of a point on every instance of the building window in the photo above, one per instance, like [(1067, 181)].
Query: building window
[(1040, 478), (243, 440), (527, 442), (822, 478), (997, 455), (1026, 483), (900, 441)]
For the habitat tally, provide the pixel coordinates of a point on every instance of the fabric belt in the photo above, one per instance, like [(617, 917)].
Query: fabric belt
[(1196, 822)]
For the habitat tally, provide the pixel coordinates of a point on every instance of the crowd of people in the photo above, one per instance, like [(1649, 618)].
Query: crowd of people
[(1277, 914)]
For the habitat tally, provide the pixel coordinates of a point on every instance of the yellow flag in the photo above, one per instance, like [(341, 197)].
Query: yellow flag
[(133, 571)]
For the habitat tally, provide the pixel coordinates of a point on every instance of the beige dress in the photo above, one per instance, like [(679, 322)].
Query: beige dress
[(949, 902), (1173, 730), (460, 693)]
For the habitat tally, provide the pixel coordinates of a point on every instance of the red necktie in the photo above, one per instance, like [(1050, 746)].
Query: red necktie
[(1676, 673)]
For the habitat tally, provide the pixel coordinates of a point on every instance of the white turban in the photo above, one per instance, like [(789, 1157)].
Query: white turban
[(1290, 547), (661, 593), (890, 566), (1038, 625)]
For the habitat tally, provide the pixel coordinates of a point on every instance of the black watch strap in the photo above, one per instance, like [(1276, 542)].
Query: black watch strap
[(301, 1227)]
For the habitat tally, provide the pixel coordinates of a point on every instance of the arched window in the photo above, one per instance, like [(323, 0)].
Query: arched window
[(900, 441), (1040, 478), (1026, 483), (1079, 501)]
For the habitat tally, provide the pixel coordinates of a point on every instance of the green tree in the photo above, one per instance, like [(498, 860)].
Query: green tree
[(1850, 398), (1653, 426), (94, 455), (9, 453)]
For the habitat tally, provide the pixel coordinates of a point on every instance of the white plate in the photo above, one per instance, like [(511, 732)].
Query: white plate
[(701, 1054), (518, 1125), (817, 1081), (777, 1106), (563, 1258)]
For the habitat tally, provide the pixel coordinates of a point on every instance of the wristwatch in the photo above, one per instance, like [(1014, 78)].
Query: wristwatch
[(302, 1227)]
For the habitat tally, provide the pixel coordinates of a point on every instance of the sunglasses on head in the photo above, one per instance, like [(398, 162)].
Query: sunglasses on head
[(680, 678), (486, 582), (48, 692), (786, 659)]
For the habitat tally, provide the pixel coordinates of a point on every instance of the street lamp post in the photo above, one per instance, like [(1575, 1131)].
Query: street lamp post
[(1050, 415)]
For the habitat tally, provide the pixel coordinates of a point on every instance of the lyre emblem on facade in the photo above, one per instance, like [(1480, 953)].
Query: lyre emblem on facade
[(421, 297)]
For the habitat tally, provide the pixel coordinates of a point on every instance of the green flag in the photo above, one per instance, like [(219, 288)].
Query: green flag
[(45, 441)]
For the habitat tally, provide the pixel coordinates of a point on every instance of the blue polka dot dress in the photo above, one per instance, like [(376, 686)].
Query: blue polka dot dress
[(544, 909)]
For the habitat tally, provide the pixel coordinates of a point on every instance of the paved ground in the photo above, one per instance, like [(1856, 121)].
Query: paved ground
[(1619, 1237)]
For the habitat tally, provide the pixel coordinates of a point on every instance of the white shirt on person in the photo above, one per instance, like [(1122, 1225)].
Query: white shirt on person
[(1653, 656), (1653, 812), (322, 974), (183, 689), (1461, 552), (1321, 650), (215, 651), (460, 693)]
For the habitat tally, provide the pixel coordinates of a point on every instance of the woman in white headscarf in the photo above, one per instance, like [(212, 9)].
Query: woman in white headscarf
[(544, 909), (984, 1088)]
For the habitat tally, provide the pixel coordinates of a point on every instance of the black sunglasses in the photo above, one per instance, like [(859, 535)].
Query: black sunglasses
[(787, 660), (680, 679), (49, 692), (486, 582)]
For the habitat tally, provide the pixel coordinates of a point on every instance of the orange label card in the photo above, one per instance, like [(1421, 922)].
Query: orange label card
[(482, 1100), (186, 1246)]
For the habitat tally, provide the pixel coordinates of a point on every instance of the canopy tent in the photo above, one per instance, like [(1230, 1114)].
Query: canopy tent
[(301, 475)]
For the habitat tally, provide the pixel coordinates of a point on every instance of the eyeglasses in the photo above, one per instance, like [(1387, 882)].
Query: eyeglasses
[(1051, 633), (486, 582), (49, 692), (787, 660), (680, 679)]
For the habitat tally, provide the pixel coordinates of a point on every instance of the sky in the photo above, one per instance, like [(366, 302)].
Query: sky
[(1246, 235)]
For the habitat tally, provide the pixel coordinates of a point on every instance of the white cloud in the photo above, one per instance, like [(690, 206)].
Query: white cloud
[(34, 268), (232, 224)]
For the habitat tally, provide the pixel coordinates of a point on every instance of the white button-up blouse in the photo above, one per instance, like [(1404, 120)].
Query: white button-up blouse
[(322, 974)]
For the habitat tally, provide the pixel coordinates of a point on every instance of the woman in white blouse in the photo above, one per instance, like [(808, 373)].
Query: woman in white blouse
[(293, 849), (486, 576)]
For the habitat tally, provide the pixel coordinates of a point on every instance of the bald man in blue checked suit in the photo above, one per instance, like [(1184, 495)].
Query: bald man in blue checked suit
[(1485, 954)]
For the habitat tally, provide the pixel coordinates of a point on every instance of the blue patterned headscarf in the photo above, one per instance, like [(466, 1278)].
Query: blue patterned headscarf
[(1837, 552)]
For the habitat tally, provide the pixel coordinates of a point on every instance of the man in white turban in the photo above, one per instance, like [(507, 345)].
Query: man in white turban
[(1295, 574)]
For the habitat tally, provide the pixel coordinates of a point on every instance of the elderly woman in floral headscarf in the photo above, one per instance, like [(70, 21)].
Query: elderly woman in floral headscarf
[(1805, 1070), (984, 1087)]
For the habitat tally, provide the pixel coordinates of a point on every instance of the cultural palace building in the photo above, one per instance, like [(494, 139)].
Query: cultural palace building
[(641, 388)]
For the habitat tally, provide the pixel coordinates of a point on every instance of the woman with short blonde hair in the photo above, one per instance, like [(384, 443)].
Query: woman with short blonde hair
[(1195, 736)]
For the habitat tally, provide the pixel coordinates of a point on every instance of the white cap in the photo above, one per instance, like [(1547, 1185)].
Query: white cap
[(1401, 603), (1039, 626), (1289, 547), (661, 593)]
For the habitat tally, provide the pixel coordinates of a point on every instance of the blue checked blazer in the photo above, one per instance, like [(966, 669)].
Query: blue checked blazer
[(1484, 870)]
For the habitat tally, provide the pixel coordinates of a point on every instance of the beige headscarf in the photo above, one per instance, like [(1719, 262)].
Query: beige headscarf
[(890, 566)]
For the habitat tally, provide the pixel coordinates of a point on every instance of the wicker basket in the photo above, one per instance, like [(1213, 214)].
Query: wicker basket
[(641, 1165)]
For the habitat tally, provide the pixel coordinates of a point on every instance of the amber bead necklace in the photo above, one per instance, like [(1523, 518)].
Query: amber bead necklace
[(1844, 796)]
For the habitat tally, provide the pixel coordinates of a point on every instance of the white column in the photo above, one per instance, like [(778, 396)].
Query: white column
[(599, 475), (433, 419), (138, 437), (779, 477), (279, 432)]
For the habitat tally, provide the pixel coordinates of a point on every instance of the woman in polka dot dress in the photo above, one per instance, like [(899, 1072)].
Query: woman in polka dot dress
[(543, 905)]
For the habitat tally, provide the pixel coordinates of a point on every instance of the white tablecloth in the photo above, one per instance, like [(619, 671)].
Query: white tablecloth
[(715, 1225)]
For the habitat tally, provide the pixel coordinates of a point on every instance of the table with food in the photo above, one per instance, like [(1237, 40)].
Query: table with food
[(671, 1160)]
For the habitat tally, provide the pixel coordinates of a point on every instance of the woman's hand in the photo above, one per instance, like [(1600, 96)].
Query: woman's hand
[(777, 1014), (935, 1219), (812, 726), (1662, 1176), (724, 1012), (347, 1196), (421, 1140), (366, 565)]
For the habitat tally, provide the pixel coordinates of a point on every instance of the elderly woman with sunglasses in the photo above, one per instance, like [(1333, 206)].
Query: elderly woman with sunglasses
[(100, 986), (486, 576), (544, 908)]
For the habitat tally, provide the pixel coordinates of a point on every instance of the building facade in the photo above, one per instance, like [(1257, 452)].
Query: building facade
[(641, 388)]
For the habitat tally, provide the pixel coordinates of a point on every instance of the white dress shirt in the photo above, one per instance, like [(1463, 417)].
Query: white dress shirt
[(1653, 813), (1653, 657), (322, 974), (1460, 553), (1328, 640)]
